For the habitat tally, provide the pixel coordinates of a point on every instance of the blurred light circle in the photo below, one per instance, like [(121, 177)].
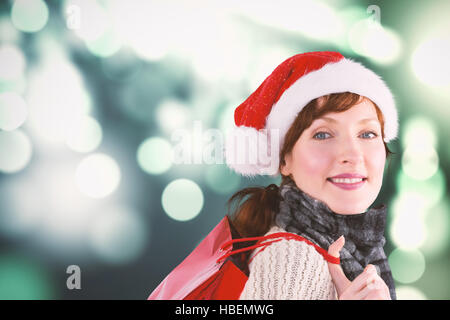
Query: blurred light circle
[(409, 293), (106, 45), (155, 155), (407, 228), (296, 16), (182, 200), (57, 97), (172, 114), (356, 36), (429, 64), (407, 265), (12, 62), (420, 162), (432, 189), (118, 235), (369, 38), (23, 279), (98, 175), (13, 111), (29, 15), (438, 224), (382, 45), (15, 149), (18, 85), (220, 179), (419, 131), (348, 16), (142, 28), (85, 135), (8, 33), (19, 218)]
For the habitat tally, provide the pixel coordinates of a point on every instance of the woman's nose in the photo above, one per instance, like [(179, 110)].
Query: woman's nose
[(350, 151)]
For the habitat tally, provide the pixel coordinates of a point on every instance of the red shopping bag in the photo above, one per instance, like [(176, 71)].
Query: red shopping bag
[(217, 269)]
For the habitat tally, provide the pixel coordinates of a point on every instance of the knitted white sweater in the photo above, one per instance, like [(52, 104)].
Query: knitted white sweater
[(288, 270)]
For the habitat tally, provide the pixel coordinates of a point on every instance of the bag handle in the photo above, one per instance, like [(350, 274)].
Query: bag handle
[(281, 236)]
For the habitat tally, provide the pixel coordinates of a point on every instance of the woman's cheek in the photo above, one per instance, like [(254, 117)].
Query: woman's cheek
[(314, 162), (375, 162)]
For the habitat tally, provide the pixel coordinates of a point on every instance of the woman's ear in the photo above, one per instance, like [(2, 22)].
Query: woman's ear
[(285, 166)]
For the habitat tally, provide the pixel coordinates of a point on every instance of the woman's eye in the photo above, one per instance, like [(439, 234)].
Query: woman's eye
[(321, 135), (370, 132)]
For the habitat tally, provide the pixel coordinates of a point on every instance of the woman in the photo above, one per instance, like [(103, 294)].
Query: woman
[(330, 118)]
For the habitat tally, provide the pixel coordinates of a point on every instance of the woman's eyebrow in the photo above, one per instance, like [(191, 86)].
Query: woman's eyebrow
[(335, 121)]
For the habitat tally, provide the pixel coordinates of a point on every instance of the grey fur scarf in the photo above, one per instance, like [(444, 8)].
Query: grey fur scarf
[(311, 218)]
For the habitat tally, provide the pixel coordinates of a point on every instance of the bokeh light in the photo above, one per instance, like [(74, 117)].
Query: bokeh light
[(141, 29), (155, 155), (429, 64), (57, 97), (19, 218), (420, 163), (118, 235), (172, 114), (23, 279), (407, 266), (98, 175), (16, 151), (8, 33), (431, 190), (301, 17), (85, 135), (419, 131), (407, 228), (374, 41), (182, 200), (29, 15), (349, 16), (12, 62), (437, 223), (221, 179), (409, 293), (106, 45), (13, 111)]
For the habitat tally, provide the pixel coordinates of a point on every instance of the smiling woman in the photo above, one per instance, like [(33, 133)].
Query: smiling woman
[(313, 157), (334, 118)]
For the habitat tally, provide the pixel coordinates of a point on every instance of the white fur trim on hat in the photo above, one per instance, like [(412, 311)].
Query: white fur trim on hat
[(252, 152)]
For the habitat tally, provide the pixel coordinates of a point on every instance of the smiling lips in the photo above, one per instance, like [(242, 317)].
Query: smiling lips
[(348, 184)]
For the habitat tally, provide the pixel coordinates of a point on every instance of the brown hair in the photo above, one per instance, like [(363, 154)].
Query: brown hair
[(255, 215)]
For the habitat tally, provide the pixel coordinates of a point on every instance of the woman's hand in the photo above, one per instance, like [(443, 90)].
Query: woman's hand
[(367, 286)]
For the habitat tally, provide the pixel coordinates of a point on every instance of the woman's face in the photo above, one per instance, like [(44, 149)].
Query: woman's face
[(345, 145)]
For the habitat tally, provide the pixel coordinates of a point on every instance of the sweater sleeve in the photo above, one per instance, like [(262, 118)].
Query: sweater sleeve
[(289, 270)]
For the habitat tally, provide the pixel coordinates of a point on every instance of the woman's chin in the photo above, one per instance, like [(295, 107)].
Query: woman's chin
[(349, 209)]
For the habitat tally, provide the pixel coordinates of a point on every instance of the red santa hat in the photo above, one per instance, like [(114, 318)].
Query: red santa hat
[(262, 120)]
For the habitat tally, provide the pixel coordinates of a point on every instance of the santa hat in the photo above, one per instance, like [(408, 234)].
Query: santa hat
[(262, 120)]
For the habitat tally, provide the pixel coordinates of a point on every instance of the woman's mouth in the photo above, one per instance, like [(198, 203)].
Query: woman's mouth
[(348, 184)]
